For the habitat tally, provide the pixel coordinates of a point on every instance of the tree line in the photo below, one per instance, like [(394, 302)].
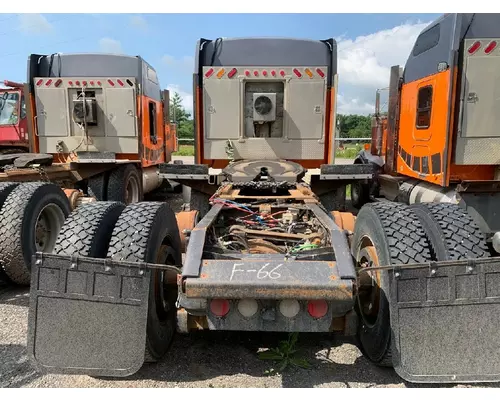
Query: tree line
[(353, 125)]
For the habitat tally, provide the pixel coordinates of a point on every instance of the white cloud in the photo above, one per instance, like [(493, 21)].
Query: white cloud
[(139, 22), (364, 64), (34, 24), (108, 45), (187, 98), (185, 63)]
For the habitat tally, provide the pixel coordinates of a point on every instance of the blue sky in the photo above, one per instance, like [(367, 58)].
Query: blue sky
[(368, 43)]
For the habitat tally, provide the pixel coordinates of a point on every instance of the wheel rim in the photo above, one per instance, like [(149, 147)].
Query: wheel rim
[(163, 290), (47, 226), (132, 190), (369, 282)]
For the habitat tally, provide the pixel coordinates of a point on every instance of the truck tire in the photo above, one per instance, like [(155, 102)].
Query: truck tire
[(360, 192), (452, 233), (30, 221), (148, 232), (384, 233), (199, 201), (125, 185), (5, 189), (87, 231), (98, 186)]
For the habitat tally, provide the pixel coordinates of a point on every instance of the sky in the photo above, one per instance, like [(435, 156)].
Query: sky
[(368, 44)]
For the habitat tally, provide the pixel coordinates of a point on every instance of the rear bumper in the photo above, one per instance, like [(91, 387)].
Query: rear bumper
[(269, 284)]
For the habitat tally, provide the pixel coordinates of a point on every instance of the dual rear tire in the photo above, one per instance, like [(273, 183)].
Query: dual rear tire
[(123, 184), (394, 233), (140, 232)]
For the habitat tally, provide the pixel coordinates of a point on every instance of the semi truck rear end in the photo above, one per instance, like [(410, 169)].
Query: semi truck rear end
[(98, 128), (265, 250)]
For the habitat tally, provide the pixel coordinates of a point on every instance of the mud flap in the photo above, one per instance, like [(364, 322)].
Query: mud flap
[(444, 321), (87, 316)]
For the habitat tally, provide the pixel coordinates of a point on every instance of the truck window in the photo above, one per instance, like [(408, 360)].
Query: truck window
[(22, 112), (9, 108), (427, 40), (152, 122), (424, 105)]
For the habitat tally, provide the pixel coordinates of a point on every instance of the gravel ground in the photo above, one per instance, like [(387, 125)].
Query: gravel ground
[(202, 359)]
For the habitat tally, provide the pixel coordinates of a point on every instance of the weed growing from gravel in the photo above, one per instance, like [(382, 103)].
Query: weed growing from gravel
[(284, 356)]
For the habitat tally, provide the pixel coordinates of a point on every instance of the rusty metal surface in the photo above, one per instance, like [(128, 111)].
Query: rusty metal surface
[(270, 279), (339, 241), (274, 235), (186, 221), (196, 244), (344, 220), (275, 170)]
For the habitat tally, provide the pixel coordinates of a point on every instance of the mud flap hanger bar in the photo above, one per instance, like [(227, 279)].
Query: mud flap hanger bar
[(433, 265)]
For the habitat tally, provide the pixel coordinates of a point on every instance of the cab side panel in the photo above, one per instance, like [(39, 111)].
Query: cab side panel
[(426, 104)]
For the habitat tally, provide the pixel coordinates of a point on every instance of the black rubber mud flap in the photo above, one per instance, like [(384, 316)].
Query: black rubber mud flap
[(87, 316), (445, 320)]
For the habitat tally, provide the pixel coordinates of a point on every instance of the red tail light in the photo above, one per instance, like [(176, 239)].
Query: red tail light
[(264, 73), (273, 73), (475, 47), (70, 83), (297, 72), (282, 73), (317, 308), (120, 82), (490, 47), (77, 83), (209, 73), (231, 73), (247, 73), (256, 73), (48, 83), (111, 82), (219, 307), (91, 83), (39, 82), (320, 72), (58, 83), (99, 83), (84, 83)]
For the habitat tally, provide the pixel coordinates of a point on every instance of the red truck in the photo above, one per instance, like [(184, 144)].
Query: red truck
[(13, 121)]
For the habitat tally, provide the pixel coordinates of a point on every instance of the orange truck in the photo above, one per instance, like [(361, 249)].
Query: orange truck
[(266, 251), (97, 127)]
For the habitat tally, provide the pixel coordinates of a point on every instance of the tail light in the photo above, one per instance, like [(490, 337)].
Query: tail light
[(248, 307), (209, 73), (231, 73), (297, 72), (219, 307), (320, 72), (317, 308), (289, 308), (475, 47), (490, 47)]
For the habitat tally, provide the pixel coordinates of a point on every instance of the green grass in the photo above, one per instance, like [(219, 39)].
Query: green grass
[(185, 150), (348, 152)]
